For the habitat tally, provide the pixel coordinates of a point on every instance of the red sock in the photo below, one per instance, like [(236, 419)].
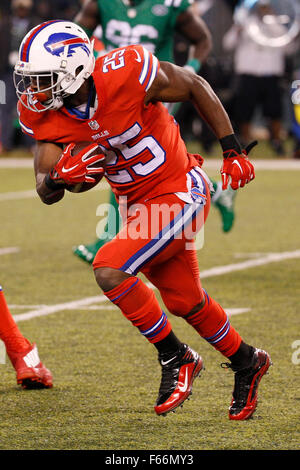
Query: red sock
[(212, 323), (9, 332), (139, 304)]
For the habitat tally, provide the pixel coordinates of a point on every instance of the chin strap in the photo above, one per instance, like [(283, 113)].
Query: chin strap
[(57, 103)]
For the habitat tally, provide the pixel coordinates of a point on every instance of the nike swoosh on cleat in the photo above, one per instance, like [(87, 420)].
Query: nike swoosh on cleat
[(66, 170), (163, 363), (185, 385)]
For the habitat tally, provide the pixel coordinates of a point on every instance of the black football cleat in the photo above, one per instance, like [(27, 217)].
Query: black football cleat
[(178, 373), (246, 382)]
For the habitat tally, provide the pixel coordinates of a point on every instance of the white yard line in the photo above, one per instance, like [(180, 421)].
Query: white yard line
[(217, 271), (16, 195), (16, 162), (31, 193), (33, 314), (8, 250), (209, 163), (257, 254), (269, 258), (49, 309), (236, 311)]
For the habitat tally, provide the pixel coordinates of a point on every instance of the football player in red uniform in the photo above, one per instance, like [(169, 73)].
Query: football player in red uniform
[(66, 97), (30, 371)]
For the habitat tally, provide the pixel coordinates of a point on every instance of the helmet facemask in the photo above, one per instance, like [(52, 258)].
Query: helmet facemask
[(41, 96)]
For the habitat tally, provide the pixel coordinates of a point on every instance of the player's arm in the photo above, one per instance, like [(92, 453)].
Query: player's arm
[(173, 84), (56, 169), (46, 156), (88, 17), (193, 28)]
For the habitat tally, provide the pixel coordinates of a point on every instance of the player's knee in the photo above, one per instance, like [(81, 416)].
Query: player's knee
[(109, 278), (196, 308), (177, 307), (181, 308)]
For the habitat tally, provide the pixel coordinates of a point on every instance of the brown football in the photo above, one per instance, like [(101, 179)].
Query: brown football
[(85, 186)]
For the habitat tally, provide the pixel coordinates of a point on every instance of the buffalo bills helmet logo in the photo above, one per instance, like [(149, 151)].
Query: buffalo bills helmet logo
[(58, 41)]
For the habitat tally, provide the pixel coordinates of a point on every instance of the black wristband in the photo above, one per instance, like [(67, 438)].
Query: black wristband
[(52, 185), (230, 142)]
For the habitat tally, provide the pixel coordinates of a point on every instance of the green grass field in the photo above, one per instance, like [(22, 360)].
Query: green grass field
[(106, 375)]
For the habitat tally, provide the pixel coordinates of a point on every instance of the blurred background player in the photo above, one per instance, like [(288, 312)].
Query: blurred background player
[(12, 30), (152, 24), (296, 107), (296, 127), (30, 371), (261, 47)]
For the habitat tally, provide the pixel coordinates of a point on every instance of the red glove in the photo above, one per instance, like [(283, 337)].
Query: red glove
[(237, 167), (79, 168)]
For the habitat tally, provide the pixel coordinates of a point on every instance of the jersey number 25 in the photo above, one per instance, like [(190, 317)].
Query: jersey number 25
[(122, 144)]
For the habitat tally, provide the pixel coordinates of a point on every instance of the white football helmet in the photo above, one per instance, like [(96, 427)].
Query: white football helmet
[(56, 55)]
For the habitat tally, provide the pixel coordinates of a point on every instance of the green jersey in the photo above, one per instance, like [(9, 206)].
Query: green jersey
[(150, 23)]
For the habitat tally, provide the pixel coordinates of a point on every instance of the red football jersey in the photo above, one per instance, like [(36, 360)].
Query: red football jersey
[(146, 155)]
